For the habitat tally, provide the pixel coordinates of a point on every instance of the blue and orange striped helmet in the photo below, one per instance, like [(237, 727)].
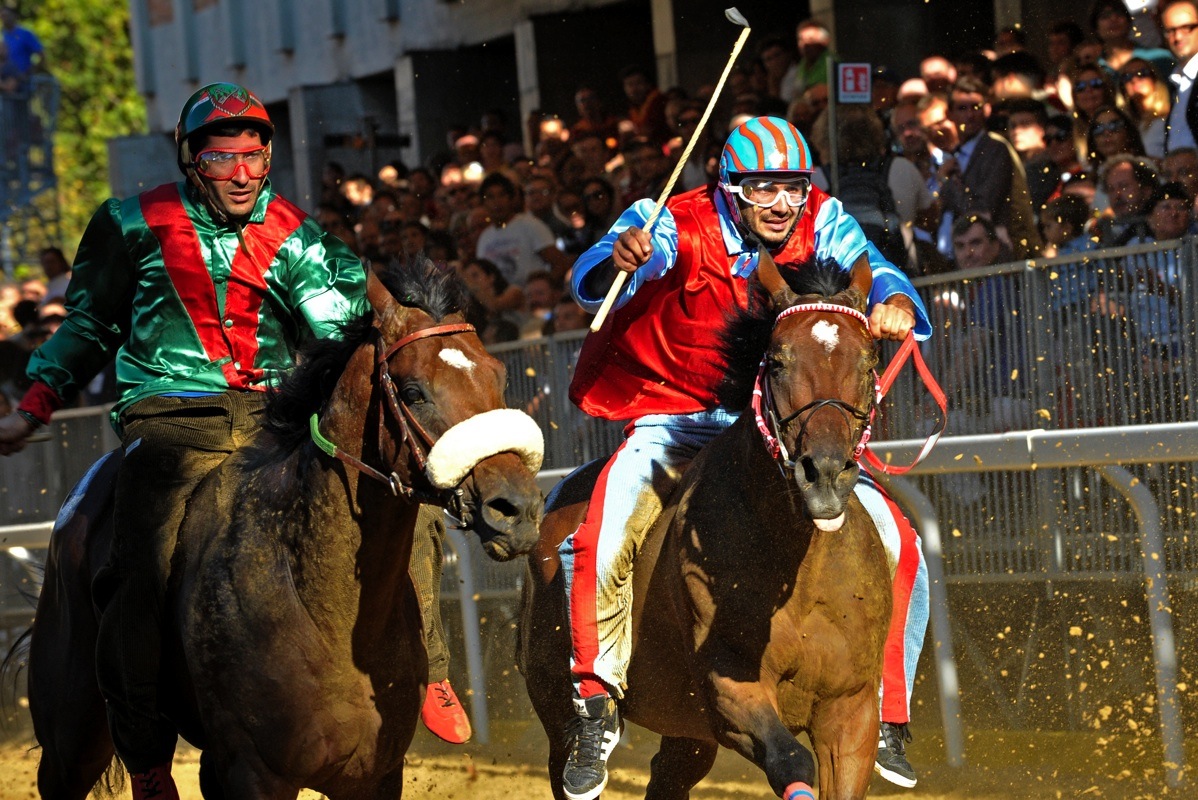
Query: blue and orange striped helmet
[(762, 145)]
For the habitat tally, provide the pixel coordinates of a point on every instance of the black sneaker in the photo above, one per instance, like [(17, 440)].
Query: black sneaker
[(892, 763), (593, 735)]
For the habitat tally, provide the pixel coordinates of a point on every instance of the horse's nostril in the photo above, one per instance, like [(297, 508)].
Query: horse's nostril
[(810, 473), (500, 508)]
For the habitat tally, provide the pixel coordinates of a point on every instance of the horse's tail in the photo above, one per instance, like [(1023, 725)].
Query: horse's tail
[(112, 783), (17, 658), (11, 669)]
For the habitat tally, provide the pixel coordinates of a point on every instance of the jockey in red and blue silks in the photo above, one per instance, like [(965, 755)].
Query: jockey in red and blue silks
[(658, 363)]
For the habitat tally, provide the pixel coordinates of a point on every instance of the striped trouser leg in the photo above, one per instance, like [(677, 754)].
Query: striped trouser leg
[(909, 613), (597, 558)]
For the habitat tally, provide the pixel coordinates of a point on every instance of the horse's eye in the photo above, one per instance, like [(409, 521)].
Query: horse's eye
[(412, 395)]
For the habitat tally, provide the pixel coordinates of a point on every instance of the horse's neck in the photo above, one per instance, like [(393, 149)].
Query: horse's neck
[(773, 494), (358, 535)]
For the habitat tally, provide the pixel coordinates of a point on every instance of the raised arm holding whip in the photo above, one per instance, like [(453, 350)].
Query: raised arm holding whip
[(679, 267)]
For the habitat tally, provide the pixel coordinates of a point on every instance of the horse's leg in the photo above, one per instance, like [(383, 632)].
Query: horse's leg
[(747, 722), (211, 787), (556, 729), (678, 766), (68, 712), (845, 734), (234, 771)]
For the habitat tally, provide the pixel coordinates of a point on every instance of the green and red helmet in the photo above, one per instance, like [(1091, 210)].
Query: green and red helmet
[(218, 105)]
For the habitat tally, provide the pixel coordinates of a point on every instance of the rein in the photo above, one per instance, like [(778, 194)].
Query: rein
[(418, 443), (769, 425)]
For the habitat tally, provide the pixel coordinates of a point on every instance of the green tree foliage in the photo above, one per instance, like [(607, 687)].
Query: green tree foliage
[(87, 49)]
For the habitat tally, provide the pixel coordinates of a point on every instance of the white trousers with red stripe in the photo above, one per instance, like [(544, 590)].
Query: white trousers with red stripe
[(631, 490)]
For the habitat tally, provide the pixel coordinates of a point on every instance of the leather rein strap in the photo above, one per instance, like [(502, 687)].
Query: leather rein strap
[(418, 444)]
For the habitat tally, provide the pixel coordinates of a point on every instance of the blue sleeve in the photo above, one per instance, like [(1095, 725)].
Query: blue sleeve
[(889, 280), (838, 236), (665, 253)]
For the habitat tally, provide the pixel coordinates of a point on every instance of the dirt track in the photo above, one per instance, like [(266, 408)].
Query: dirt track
[(1002, 765)]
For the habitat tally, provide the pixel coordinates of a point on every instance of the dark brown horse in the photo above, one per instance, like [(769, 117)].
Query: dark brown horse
[(296, 653), (759, 610)]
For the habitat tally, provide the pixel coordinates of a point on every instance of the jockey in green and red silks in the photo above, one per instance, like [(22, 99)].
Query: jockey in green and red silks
[(202, 291), (186, 293), (658, 363)]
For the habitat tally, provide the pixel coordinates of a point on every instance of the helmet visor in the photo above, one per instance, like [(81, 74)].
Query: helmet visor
[(222, 165), (764, 192)]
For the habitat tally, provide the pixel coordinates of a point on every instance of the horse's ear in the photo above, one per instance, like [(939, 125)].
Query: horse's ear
[(861, 279), (771, 279), (380, 298)]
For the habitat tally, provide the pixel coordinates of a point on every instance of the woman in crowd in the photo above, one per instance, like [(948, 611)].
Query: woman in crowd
[(501, 304), (1091, 91), (598, 209), (1148, 103), (1111, 132)]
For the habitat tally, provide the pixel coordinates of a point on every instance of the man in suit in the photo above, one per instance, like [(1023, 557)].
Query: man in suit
[(1179, 24), (987, 176)]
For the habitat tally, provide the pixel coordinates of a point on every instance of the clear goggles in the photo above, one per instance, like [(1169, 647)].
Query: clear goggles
[(222, 165), (764, 192)]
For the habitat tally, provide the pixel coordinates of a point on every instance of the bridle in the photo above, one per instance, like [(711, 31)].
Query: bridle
[(763, 401), (413, 435), (770, 426)]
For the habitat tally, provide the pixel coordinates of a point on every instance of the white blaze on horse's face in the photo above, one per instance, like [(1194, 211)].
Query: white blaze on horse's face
[(456, 358), (827, 334)]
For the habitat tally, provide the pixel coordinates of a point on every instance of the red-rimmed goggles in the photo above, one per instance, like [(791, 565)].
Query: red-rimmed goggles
[(223, 164)]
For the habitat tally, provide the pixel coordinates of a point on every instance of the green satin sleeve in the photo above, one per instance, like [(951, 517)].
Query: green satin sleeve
[(328, 284), (99, 307)]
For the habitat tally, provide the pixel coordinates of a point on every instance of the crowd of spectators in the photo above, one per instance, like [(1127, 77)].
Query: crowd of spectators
[(1089, 144), (1002, 134)]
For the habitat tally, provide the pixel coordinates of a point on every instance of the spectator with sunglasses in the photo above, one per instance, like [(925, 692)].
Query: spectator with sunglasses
[(1062, 149), (1179, 25), (1111, 132), (1091, 89), (1148, 103), (598, 209)]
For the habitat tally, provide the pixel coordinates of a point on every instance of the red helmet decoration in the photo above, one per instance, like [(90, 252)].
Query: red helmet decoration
[(215, 105)]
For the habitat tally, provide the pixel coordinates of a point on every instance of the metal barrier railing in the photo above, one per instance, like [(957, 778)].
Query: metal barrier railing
[(1095, 339)]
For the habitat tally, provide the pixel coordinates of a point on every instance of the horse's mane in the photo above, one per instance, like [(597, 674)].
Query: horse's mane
[(305, 390), (747, 332)]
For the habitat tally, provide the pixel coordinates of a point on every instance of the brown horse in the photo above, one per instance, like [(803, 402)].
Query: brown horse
[(759, 611), (296, 652)]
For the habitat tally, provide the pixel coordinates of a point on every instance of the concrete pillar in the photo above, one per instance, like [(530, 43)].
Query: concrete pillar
[(305, 146), (825, 12), (1007, 14), (665, 43), (526, 75), (405, 105)]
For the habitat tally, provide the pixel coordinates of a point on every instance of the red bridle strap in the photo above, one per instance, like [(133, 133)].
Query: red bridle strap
[(772, 443), (906, 350), (909, 347)]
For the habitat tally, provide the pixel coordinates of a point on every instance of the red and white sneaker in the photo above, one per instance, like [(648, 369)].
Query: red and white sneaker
[(443, 714), (154, 784)]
